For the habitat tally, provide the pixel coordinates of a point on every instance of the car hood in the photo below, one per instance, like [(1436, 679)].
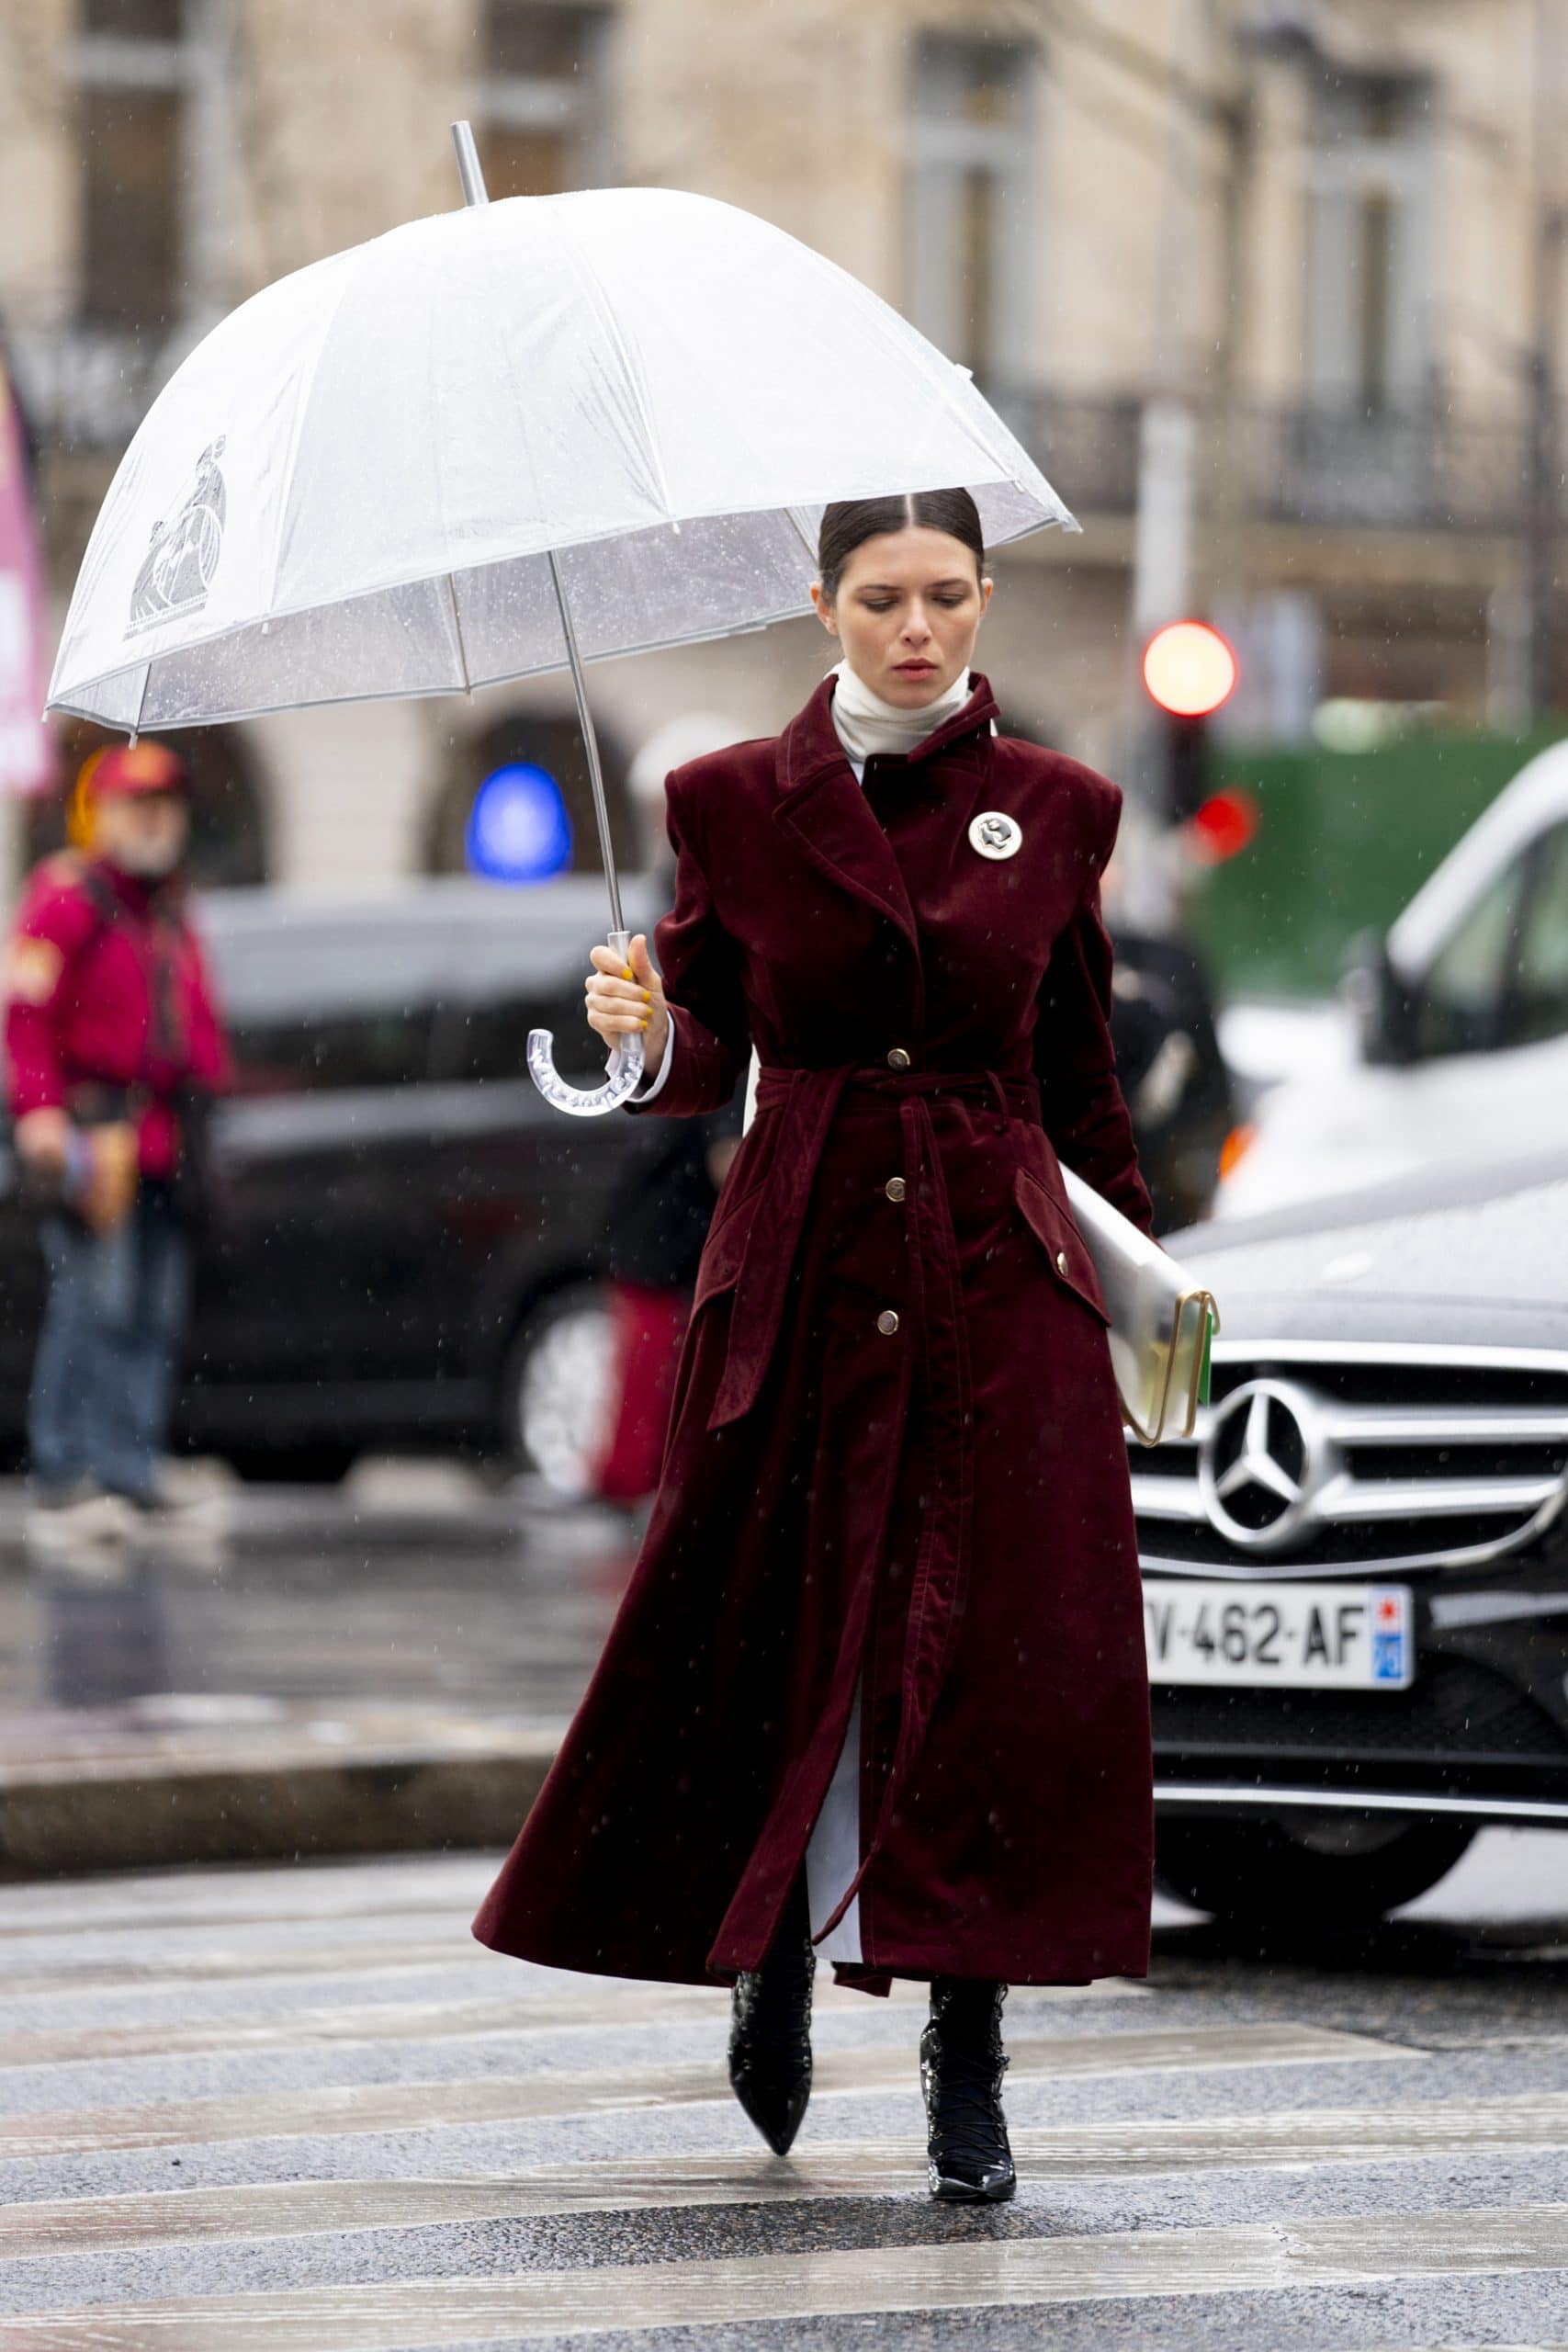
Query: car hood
[(1475, 1254)]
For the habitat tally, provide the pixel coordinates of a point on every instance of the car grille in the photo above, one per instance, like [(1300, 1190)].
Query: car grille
[(1454, 1710), (1397, 1459)]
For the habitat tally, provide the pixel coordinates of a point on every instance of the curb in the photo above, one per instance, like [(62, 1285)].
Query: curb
[(104, 1795)]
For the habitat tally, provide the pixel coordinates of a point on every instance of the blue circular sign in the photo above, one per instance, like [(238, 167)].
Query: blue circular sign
[(518, 830)]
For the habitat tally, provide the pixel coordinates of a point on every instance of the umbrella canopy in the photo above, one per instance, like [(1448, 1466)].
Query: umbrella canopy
[(354, 486)]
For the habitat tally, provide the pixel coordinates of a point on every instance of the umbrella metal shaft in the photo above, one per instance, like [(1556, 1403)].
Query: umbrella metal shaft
[(595, 773), (471, 175)]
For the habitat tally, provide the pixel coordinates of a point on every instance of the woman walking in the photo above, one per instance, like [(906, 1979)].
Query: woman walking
[(876, 1692)]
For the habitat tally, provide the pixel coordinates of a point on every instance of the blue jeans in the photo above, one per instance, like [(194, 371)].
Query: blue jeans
[(103, 1376)]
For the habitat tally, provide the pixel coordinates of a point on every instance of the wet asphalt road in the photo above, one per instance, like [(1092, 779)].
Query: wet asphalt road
[(268, 2108), (300, 2109)]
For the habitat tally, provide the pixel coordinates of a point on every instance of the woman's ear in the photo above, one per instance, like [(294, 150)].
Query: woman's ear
[(823, 603)]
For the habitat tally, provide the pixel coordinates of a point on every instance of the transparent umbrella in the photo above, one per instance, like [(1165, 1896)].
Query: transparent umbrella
[(513, 438)]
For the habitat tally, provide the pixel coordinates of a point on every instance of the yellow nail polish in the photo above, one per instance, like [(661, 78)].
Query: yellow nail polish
[(626, 971)]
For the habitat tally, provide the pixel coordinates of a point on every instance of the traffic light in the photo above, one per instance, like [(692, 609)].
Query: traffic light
[(1190, 670)]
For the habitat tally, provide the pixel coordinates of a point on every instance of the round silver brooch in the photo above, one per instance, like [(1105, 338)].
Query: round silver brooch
[(994, 833)]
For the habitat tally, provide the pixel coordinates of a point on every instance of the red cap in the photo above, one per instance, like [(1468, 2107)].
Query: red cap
[(134, 767)]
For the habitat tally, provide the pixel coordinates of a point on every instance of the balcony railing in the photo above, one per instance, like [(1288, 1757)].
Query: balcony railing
[(1420, 469), (85, 388)]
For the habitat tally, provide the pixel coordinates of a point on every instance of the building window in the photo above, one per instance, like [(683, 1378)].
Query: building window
[(1367, 332), (542, 100), (151, 79), (971, 207)]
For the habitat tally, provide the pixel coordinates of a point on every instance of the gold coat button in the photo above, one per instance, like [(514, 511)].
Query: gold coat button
[(888, 1320), (893, 1188), (898, 1058), (1061, 1262)]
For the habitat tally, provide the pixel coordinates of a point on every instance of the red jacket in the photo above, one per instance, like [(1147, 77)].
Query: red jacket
[(92, 953)]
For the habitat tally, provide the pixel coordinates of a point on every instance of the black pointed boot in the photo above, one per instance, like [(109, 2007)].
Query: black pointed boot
[(962, 2065), (770, 2031)]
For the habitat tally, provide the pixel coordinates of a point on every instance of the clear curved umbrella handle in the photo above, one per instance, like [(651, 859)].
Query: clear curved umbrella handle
[(625, 1065)]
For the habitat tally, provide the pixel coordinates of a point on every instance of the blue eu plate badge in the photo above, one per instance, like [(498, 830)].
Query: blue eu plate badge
[(1389, 1606)]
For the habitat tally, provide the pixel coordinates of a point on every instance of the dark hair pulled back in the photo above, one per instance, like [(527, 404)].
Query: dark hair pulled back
[(848, 521)]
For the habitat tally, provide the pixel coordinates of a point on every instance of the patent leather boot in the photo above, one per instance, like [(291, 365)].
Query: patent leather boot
[(770, 2033), (962, 2065)]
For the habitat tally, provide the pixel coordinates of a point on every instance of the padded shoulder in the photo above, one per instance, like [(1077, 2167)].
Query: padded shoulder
[(720, 771), (1097, 799)]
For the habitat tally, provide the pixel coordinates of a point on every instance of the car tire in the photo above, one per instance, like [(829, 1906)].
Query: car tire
[(1323, 1873), (554, 1390)]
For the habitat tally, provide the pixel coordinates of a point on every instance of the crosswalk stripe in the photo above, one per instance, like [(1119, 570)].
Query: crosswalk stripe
[(109, 1922), (606, 2005), (380, 1955), (1145, 2146), (956, 2276), (355, 2022), (93, 1954), (219, 1896), (415, 2106), (311, 1960)]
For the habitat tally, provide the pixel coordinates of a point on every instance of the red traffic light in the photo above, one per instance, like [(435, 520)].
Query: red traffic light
[(1189, 669), (1223, 825)]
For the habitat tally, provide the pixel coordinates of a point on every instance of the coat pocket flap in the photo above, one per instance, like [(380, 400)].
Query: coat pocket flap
[(724, 1252), (1064, 1245)]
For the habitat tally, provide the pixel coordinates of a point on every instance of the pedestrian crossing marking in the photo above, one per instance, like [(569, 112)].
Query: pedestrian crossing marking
[(1143, 2147), (427, 2106), (406, 2021), (122, 1921), (369, 1959), (386, 2020), (957, 2275), (222, 1968), (381, 1956)]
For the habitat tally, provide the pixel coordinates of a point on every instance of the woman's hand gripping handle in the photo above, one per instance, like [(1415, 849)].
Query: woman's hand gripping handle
[(622, 997)]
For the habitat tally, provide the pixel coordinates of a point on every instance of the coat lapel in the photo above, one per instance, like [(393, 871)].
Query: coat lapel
[(821, 807)]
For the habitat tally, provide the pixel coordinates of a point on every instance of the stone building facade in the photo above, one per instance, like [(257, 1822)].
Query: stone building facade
[(1269, 287)]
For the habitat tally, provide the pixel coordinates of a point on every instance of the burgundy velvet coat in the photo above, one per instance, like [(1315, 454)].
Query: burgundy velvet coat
[(943, 1500)]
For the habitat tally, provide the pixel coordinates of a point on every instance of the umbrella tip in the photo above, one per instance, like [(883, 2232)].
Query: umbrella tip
[(469, 171)]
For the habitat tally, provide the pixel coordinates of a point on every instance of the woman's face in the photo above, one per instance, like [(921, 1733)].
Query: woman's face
[(907, 611)]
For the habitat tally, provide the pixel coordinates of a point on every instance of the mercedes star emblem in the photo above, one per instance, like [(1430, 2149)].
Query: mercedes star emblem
[(1263, 1461)]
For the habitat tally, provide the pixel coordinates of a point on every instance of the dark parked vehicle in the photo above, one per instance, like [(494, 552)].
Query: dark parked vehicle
[(406, 1250), (410, 1243), (1174, 1077), (1356, 1574)]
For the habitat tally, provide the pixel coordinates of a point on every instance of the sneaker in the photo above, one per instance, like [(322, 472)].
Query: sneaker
[(174, 1502), (81, 1526)]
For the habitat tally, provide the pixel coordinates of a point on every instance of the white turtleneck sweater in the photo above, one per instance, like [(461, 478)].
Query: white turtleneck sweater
[(864, 723)]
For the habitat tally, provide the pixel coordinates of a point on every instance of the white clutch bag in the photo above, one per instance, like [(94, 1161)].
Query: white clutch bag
[(1161, 1323)]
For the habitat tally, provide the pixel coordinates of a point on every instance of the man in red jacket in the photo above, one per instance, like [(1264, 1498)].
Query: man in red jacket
[(113, 1047)]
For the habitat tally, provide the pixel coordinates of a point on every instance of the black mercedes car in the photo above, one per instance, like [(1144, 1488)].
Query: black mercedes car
[(1355, 1573)]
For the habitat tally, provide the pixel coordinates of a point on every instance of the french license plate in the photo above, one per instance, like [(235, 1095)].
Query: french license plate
[(1299, 1636)]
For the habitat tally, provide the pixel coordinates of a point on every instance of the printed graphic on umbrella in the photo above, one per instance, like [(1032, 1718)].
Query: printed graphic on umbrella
[(178, 570), (509, 439)]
